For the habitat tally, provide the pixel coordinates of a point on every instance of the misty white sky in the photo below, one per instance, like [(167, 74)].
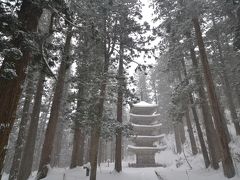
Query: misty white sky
[(147, 16)]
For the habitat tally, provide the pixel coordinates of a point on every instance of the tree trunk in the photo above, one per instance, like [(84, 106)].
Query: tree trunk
[(182, 131), (180, 125), (200, 136), (118, 150), (54, 116), (213, 140), (81, 152), (237, 92), (55, 160), (100, 153), (87, 150), (11, 88), (41, 131), (177, 138), (227, 162), (190, 132), (77, 152), (95, 133), (227, 87), (28, 152), (78, 140), (112, 144), (96, 130), (23, 126)]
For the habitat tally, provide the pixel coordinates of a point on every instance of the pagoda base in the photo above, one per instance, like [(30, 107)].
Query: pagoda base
[(134, 165), (145, 157)]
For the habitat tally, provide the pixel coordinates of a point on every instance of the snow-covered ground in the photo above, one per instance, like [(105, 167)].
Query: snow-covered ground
[(176, 168), (167, 173), (170, 172)]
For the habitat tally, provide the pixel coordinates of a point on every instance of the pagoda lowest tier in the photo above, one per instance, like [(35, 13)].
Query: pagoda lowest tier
[(146, 128), (143, 141)]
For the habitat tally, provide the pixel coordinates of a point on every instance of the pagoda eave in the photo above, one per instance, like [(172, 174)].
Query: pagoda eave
[(140, 149), (139, 126)]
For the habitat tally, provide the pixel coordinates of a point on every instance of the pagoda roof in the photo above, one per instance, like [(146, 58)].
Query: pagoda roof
[(145, 148), (144, 119), (141, 139), (146, 126), (144, 104), (144, 116), (143, 108), (148, 137)]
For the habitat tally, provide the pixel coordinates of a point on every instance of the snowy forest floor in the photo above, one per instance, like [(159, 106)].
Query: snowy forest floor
[(169, 173), (177, 167)]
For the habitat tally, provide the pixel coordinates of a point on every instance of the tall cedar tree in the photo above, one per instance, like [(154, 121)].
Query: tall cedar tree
[(118, 151), (78, 138), (28, 151), (227, 87), (212, 139), (54, 115), (227, 162), (10, 89), (23, 126)]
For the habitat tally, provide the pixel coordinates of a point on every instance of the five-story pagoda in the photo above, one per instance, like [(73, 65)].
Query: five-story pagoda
[(146, 128)]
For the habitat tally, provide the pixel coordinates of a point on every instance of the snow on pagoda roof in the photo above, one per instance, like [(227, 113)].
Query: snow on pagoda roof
[(146, 148), (141, 115), (146, 126), (150, 137), (144, 104)]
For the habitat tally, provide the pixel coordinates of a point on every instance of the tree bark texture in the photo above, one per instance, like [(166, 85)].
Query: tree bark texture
[(190, 132), (177, 138), (188, 121), (227, 162), (56, 153), (10, 89), (79, 134), (96, 130), (28, 151), (181, 122), (227, 87), (77, 152), (212, 139), (118, 151), (54, 115), (100, 153), (41, 132), (22, 127)]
